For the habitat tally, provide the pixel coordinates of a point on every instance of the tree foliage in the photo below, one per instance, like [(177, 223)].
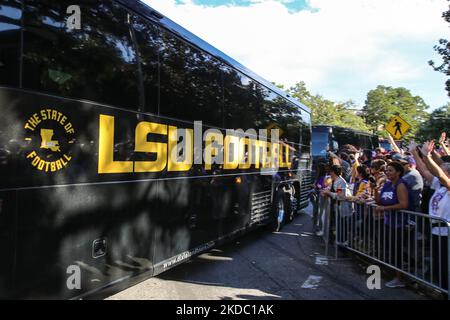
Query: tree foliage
[(381, 104), (325, 111), (384, 102), (443, 49), (438, 121)]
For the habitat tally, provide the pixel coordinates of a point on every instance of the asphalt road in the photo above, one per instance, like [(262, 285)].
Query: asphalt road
[(266, 265)]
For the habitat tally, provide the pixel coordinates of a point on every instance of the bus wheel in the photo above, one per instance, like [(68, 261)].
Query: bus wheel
[(288, 196), (279, 210), (289, 208)]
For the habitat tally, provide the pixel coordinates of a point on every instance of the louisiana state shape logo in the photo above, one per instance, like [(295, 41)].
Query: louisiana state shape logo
[(50, 135)]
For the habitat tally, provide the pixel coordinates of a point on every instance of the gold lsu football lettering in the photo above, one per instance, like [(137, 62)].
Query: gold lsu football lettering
[(235, 152)]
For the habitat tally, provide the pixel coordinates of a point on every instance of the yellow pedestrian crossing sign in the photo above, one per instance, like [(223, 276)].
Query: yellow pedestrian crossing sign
[(397, 127)]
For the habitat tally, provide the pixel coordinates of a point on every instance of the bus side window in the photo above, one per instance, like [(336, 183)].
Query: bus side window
[(243, 97), (288, 117), (149, 42), (190, 82), (10, 24), (305, 137), (306, 131), (96, 62)]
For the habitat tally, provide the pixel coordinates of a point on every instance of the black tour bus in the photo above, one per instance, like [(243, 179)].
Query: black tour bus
[(95, 96), (331, 138)]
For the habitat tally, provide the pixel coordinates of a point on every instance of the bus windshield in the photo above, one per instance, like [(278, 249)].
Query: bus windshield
[(319, 143)]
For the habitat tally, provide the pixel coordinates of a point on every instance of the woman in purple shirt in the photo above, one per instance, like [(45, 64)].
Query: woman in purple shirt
[(393, 196)]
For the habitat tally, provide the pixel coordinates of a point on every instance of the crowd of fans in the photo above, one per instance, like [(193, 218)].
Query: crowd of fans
[(414, 178)]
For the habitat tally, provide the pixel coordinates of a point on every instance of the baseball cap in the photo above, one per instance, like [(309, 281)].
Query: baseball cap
[(411, 160), (398, 157), (406, 160)]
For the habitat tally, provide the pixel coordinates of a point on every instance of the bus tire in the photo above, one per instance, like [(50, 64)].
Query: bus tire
[(279, 213), (289, 209)]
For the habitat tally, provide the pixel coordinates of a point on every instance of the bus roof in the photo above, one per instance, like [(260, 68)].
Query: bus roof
[(153, 15)]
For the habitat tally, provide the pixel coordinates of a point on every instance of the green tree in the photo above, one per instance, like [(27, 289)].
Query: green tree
[(384, 102), (443, 49), (349, 117), (299, 92), (439, 121), (325, 111)]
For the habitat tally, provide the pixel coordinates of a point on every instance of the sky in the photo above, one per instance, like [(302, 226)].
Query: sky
[(341, 49)]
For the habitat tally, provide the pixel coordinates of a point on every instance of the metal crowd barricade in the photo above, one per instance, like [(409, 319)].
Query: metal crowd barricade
[(415, 244), (325, 223)]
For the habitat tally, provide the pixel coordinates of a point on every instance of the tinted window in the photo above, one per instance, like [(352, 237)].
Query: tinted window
[(362, 141), (149, 42), (96, 62), (346, 136), (286, 115), (305, 136), (366, 142), (243, 98), (374, 142), (190, 82), (10, 23), (293, 118)]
